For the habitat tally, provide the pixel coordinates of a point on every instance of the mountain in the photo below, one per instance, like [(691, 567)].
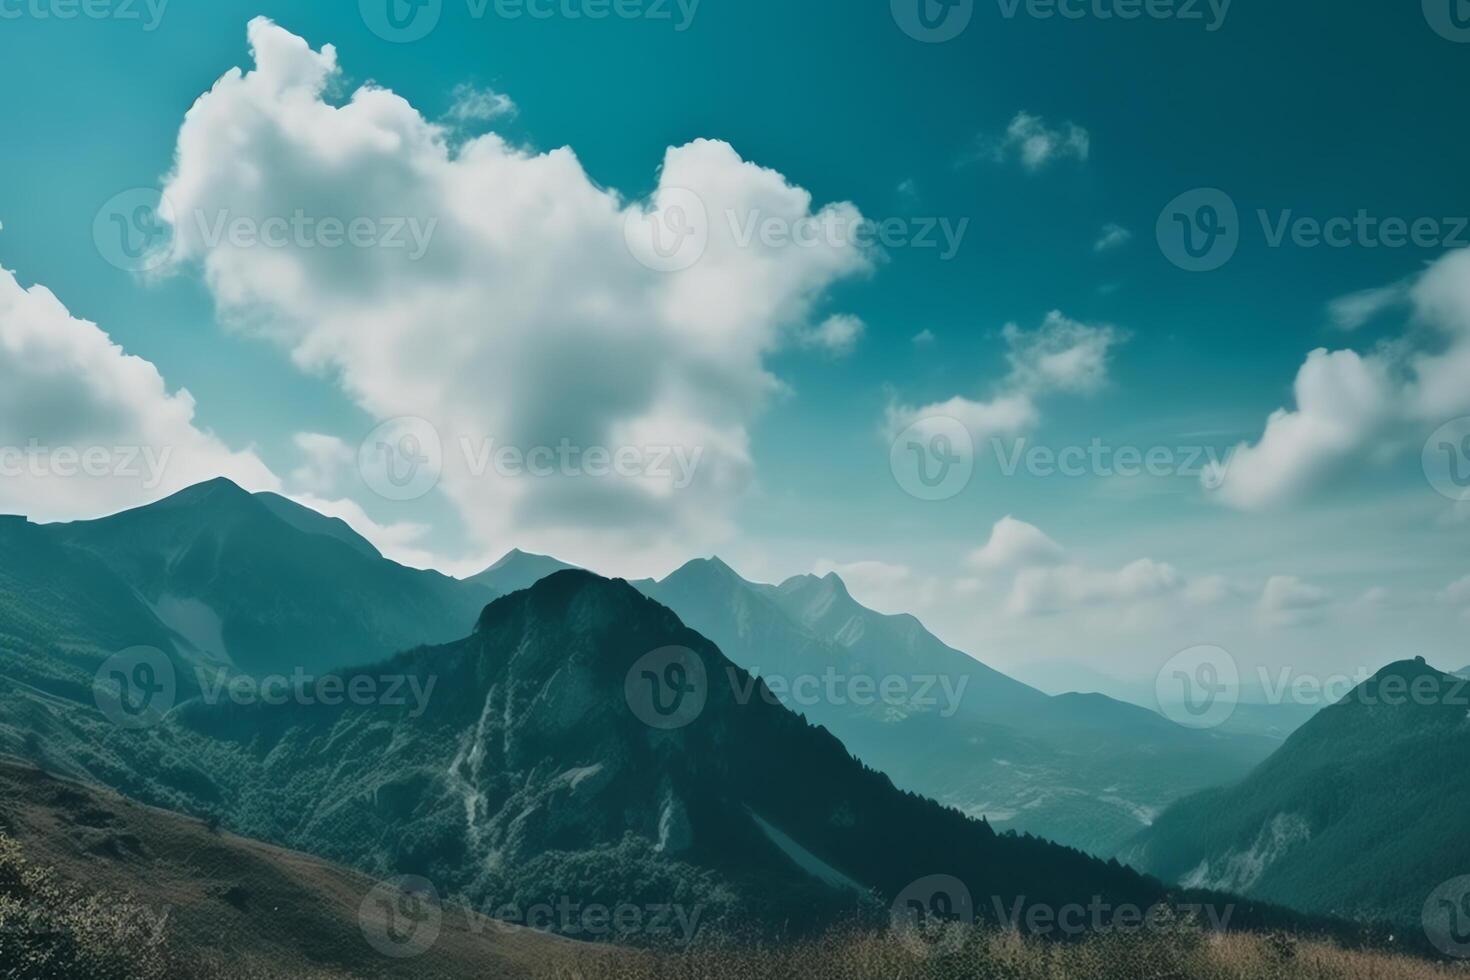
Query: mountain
[(1360, 814), (254, 582), (515, 765), (1084, 770), (516, 571), (225, 906)]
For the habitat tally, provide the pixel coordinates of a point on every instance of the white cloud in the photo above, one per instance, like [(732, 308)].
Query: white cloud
[(86, 428), (1457, 593), (1353, 407), (1035, 144), (472, 104), (1288, 601), (326, 460), (528, 320), (1015, 545), (1356, 309), (1112, 236), (1061, 356), (924, 338), (1065, 587), (837, 335)]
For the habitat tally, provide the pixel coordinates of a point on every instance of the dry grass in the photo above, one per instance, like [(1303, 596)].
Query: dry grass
[(979, 955)]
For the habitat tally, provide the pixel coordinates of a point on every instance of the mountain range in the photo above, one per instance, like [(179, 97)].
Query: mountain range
[(1360, 814)]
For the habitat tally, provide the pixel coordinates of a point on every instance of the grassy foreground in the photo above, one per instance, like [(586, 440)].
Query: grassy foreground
[(981, 955)]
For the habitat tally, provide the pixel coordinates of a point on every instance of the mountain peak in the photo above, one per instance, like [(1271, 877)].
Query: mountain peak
[(517, 570)]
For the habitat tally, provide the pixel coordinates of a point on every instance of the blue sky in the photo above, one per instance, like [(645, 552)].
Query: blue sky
[(1043, 136)]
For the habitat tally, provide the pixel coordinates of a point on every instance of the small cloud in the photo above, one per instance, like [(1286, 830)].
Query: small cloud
[(1355, 309), (837, 335), (908, 190), (1113, 236), (473, 104), (1035, 144), (325, 460), (1288, 601), (1015, 545), (924, 338)]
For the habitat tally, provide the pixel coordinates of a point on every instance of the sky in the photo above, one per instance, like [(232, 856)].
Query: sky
[(1089, 338)]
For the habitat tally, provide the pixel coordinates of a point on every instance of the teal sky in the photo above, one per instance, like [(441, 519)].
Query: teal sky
[(1312, 108)]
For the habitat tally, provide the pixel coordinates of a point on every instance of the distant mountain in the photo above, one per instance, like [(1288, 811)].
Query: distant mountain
[(516, 571), (1084, 770), (256, 582), (1360, 814), (516, 765)]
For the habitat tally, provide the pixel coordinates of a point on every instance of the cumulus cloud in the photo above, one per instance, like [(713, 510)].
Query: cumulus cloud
[(1036, 144), (1288, 601), (87, 429), (1353, 407), (1352, 311), (837, 335), (528, 320), (1062, 356)]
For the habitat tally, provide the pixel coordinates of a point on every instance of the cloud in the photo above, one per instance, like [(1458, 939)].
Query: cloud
[(837, 335), (86, 428), (1457, 593), (1353, 407), (1015, 545), (472, 104), (1288, 601), (1035, 144), (528, 320), (1062, 356), (923, 338), (325, 462), (1065, 587), (1356, 309), (1112, 236)]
